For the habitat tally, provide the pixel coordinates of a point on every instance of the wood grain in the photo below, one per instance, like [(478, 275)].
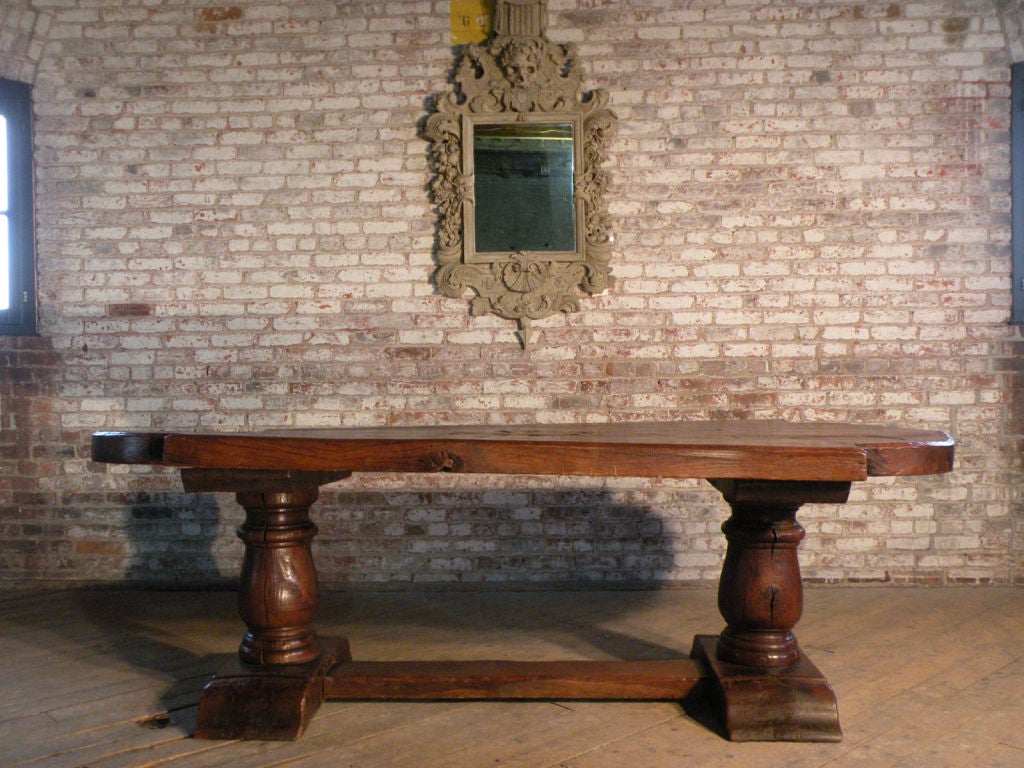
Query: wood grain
[(670, 680), (768, 450)]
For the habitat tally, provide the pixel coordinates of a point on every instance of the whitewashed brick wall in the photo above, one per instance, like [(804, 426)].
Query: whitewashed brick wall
[(811, 205)]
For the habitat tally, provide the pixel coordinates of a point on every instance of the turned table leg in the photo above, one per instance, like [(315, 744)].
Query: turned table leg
[(277, 592), (760, 594), (275, 685), (763, 686)]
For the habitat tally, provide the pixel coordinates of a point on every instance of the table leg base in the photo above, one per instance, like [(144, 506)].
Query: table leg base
[(793, 703), (277, 702), (271, 702)]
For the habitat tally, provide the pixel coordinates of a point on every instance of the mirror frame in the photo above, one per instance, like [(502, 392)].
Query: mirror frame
[(520, 76)]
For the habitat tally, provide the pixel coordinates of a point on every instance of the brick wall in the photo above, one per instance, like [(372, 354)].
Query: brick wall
[(811, 205)]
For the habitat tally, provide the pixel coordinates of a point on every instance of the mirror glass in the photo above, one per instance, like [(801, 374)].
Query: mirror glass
[(524, 187)]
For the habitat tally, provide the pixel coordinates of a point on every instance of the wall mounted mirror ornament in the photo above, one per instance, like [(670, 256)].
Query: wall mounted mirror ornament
[(517, 150)]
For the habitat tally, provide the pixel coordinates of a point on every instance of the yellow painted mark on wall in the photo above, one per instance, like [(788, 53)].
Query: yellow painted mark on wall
[(471, 20)]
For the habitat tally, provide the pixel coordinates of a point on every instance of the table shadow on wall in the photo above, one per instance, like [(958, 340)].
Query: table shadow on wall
[(171, 541)]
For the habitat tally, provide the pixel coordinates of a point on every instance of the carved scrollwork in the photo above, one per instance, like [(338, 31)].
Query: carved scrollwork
[(520, 77)]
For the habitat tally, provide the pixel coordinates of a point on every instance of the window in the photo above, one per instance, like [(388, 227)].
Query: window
[(17, 241), (1017, 189)]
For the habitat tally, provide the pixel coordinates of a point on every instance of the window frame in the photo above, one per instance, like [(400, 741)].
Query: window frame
[(16, 107)]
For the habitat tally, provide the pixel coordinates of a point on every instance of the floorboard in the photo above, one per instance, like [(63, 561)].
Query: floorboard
[(110, 679)]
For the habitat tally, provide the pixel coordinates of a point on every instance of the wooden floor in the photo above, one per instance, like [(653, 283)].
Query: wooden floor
[(110, 679)]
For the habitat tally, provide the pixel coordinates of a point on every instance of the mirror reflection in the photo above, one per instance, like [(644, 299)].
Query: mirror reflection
[(524, 187)]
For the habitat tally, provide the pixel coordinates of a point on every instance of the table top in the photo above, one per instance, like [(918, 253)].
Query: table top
[(765, 450)]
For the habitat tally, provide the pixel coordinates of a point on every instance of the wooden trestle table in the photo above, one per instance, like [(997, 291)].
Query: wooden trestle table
[(761, 684)]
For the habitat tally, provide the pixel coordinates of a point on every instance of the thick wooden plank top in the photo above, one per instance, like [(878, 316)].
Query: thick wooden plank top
[(764, 450)]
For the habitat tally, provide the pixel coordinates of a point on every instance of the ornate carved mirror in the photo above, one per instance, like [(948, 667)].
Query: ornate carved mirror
[(517, 151)]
